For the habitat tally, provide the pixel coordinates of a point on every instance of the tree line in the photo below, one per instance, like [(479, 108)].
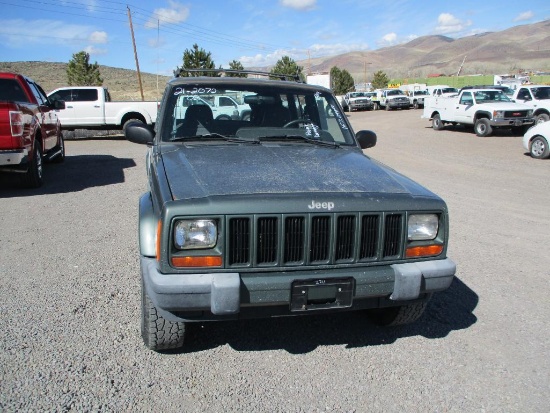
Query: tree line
[(81, 73)]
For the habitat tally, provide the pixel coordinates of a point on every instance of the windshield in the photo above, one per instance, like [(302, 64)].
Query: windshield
[(252, 111), (449, 90), (484, 96), (357, 94), (420, 92), (394, 92)]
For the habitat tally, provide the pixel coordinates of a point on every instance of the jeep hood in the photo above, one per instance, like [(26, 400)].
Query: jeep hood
[(201, 171)]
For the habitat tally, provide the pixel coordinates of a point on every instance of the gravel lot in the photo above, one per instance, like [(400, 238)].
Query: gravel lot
[(70, 299)]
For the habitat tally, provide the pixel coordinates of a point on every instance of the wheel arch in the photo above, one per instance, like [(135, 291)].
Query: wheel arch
[(132, 115)]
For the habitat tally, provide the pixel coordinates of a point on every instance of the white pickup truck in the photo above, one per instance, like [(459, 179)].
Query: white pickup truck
[(89, 107), (484, 109), (223, 107), (536, 96)]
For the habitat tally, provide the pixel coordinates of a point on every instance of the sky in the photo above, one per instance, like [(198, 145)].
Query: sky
[(255, 32)]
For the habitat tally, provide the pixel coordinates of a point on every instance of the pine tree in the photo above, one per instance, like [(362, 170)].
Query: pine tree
[(342, 81), (380, 80), (196, 58), (287, 66), (236, 65), (81, 73)]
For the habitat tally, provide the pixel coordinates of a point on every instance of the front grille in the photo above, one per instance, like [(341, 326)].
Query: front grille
[(313, 239), (515, 114)]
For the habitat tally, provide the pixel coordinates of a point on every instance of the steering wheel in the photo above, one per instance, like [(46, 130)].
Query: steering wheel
[(298, 121)]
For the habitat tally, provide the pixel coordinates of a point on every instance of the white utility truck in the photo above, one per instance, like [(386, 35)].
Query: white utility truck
[(484, 109)]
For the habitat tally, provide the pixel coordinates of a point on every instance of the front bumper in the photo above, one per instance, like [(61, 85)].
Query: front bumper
[(361, 105), (499, 122), (212, 296), (399, 104)]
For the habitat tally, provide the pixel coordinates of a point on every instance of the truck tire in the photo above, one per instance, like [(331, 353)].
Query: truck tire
[(158, 333), (376, 106), (541, 118), (394, 316), (33, 178), (415, 104), (437, 123), (482, 127), (539, 148), (388, 107)]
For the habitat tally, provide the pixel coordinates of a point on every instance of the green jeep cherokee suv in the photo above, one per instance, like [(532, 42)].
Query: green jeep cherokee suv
[(277, 213)]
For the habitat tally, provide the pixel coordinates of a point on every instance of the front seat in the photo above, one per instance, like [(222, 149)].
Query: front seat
[(197, 121)]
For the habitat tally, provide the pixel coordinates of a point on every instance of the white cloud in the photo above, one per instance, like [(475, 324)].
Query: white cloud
[(389, 39), (299, 4), (177, 13), (528, 15), (21, 33), (92, 50), (392, 39), (447, 24), (98, 37)]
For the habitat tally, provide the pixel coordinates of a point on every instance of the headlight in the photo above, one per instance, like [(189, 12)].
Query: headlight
[(498, 114), (195, 234), (423, 227)]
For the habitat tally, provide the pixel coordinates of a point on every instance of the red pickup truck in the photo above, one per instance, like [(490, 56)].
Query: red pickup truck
[(30, 130)]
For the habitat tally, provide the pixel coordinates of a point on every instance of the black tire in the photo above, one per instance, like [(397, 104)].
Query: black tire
[(34, 178), (246, 117), (437, 123), (158, 333), (543, 117), (61, 147), (223, 117), (128, 122), (482, 127), (538, 148), (376, 106), (415, 104), (395, 316), (388, 107)]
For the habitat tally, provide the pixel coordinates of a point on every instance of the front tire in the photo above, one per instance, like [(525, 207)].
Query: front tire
[(158, 333), (395, 316), (33, 178), (539, 148), (415, 104), (482, 127)]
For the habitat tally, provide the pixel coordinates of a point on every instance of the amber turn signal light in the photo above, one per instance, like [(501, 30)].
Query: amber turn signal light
[(208, 261), (424, 251)]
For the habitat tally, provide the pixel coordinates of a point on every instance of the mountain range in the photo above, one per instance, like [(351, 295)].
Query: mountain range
[(520, 48)]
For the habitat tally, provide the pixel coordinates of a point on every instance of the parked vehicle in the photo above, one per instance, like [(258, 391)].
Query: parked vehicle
[(223, 107), (536, 140), (504, 88), (89, 107), (416, 98), (392, 99), (484, 109), (538, 97), (29, 129), (357, 101), (281, 214), (442, 90)]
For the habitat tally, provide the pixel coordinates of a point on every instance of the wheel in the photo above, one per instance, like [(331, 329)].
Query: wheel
[(482, 127), (346, 108), (246, 117), (437, 124), (60, 158), (415, 104), (298, 121), (223, 117), (376, 106), (539, 148), (128, 122), (543, 117), (33, 178), (394, 316), (157, 332), (388, 107)]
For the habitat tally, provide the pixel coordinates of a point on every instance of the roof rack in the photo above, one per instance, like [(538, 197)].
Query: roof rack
[(296, 77)]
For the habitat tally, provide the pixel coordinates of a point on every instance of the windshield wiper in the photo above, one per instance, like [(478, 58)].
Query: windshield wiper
[(301, 139), (213, 136)]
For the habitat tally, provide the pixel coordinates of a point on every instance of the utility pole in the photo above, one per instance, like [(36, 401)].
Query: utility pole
[(135, 53)]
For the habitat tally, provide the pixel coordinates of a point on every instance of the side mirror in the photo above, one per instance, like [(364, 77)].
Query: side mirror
[(366, 138), (138, 132)]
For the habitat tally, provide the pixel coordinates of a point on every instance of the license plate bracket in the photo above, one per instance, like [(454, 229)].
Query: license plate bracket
[(321, 294)]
